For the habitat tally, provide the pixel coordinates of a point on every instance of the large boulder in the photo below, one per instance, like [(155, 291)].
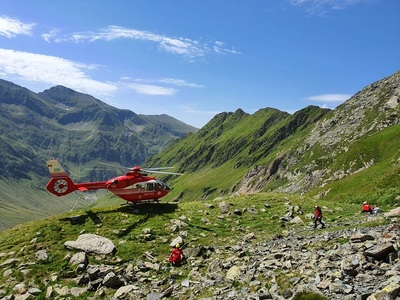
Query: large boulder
[(393, 213), (92, 243)]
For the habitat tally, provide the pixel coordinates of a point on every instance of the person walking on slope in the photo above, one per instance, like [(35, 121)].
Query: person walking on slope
[(176, 257), (318, 217)]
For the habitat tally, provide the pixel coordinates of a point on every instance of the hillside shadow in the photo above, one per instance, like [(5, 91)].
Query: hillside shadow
[(144, 210), (93, 217), (147, 208), (75, 220), (129, 229), (141, 209), (81, 219)]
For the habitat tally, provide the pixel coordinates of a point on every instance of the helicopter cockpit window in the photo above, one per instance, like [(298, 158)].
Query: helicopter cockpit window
[(150, 186)]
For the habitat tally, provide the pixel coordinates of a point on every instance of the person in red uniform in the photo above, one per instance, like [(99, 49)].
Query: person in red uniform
[(318, 217), (366, 207), (176, 257)]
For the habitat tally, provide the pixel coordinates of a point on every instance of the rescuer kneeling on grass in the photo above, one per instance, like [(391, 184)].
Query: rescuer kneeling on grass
[(176, 258)]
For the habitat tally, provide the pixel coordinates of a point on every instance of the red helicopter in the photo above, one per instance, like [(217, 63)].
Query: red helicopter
[(134, 186)]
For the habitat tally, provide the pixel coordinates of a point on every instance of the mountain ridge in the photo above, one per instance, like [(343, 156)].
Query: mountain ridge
[(63, 109), (299, 153)]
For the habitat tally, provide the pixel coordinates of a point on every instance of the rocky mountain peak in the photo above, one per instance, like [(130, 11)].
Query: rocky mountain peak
[(373, 109)]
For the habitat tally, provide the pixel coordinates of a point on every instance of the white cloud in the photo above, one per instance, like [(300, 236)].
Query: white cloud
[(52, 70), (329, 98), (191, 109), (10, 27), (50, 35), (180, 82), (150, 89), (320, 7), (219, 47), (174, 45), (160, 87)]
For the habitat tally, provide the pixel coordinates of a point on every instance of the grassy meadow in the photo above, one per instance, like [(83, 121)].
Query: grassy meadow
[(205, 225)]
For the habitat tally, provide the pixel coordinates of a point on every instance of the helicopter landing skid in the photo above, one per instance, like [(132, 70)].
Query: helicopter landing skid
[(134, 203)]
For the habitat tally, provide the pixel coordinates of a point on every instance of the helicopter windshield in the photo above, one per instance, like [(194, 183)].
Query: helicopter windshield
[(156, 185), (163, 185)]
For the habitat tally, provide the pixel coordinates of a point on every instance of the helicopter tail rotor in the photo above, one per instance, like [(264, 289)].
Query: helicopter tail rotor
[(60, 183)]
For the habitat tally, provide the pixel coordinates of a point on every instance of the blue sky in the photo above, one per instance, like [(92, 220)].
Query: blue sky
[(194, 59)]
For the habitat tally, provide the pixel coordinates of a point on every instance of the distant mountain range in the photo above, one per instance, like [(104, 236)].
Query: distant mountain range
[(351, 153), (76, 128)]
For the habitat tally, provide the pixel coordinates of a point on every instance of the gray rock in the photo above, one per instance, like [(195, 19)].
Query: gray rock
[(10, 262), (42, 255), (233, 273), (79, 258), (178, 240), (78, 291), (34, 291), (123, 292), (223, 207), (297, 220), (112, 281), (359, 238), (379, 251), (92, 243)]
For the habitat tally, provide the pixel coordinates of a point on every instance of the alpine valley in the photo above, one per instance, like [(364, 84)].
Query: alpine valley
[(243, 208), (351, 152)]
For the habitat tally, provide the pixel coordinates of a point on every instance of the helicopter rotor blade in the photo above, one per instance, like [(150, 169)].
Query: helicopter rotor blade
[(155, 169), (160, 172), (111, 165), (98, 169), (149, 170)]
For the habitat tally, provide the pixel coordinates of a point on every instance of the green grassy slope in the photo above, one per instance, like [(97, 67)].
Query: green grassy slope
[(125, 227), (378, 180), (350, 153), (373, 163), (217, 157)]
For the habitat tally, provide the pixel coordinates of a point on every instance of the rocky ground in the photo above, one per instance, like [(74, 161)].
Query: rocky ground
[(353, 263)]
